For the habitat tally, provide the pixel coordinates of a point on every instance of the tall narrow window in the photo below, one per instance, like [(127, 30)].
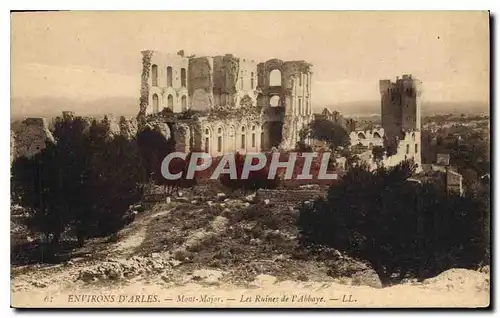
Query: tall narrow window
[(242, 138), (251, 80), (219, 144), (253, 139), (416, 148), (183, 77), (300, 79), (171, 102), (184, 103), (207, 144), (169, 76), (407, 149), (155, 103), (241, 82), (300, 106), (154, 75)]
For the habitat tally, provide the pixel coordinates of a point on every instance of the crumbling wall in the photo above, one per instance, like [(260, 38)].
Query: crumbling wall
[(292, 73), (200, 78), (111, 124), (144, 99), (128, 127), (30, 137), (182, 137), (226, 74)]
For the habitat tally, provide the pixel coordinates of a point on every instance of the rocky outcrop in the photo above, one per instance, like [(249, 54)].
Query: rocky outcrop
[(120, 269)]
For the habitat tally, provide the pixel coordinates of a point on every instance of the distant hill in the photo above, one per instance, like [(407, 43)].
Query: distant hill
[(372, 108), (128, 106), (53, 106)]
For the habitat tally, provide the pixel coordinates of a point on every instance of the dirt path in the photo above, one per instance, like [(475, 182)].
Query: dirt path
[(134, 236)]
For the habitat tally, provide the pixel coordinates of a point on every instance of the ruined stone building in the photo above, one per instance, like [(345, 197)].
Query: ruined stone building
[(235, 104), (337, 118), (400, 111), (29, 137), (368, 138)]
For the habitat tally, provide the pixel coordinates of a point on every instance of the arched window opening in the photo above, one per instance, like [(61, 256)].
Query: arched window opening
[(207, 144), (184, 103), (253, 139), (154, 75), (156, 103), (169, 76), (275, 101), (275, 78), (183, 77), (361, 136), (170, 99), (219, 144)]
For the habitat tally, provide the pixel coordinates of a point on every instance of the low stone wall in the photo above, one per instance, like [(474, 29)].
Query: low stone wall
[(289, 197)]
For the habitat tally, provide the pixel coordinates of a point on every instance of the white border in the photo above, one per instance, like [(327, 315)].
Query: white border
[(189, 5)]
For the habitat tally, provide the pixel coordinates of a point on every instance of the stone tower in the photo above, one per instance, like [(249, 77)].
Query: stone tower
[(400, 110)]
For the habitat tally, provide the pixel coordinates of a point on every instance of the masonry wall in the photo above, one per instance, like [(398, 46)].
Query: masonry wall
[(168, 81), (243, 135), (201, 83), (30, 137)]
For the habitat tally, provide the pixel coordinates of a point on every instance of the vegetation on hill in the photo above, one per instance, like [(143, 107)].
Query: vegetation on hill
[(401, 227)]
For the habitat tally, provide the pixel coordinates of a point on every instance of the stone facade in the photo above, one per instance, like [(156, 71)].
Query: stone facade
[(164, 82), (368, 138), (240, 106)]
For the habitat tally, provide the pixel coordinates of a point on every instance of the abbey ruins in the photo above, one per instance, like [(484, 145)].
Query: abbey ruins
[(224, 104), (240, 105)]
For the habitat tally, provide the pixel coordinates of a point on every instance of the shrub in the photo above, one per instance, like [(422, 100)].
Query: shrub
[(398, 226)]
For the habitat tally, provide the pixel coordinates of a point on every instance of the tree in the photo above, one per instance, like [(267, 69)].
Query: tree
[(378, 153), (82, 184), (116, 182), (399, 226), (325, 130)]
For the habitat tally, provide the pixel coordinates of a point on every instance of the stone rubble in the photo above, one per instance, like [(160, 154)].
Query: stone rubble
[(126, 268)]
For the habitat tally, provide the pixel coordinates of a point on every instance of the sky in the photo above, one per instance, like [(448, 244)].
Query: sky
[(92, 55)]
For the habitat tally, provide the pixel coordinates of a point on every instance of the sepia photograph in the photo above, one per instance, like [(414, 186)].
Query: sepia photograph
[(250, 159)]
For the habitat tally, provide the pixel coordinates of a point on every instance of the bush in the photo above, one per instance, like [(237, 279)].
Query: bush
[(398, 226)]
